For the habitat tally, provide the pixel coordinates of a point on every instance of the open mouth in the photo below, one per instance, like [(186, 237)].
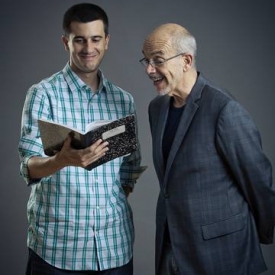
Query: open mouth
[(156, 79)]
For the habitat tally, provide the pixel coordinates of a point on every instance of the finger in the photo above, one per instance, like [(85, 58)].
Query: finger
[(67, 142), (99, 146)]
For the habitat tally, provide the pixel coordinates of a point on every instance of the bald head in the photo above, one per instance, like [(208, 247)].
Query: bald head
[(169, 30), (172, 37)]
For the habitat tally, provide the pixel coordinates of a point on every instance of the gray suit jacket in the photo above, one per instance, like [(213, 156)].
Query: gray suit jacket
[(215, 192)]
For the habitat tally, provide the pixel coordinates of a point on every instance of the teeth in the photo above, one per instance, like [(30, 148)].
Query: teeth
[(156, 78)]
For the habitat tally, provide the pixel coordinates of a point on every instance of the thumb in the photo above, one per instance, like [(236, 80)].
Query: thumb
[(67, 142)]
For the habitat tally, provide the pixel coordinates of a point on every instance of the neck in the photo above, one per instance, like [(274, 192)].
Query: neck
[(181, 95), (91, 78)]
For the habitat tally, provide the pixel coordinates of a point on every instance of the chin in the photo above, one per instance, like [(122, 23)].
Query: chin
[(163, 92)]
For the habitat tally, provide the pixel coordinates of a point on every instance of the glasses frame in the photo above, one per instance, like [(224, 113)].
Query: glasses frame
[(145, 62)]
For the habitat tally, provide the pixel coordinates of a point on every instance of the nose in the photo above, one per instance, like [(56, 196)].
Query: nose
[(89, 45), (150, 69)]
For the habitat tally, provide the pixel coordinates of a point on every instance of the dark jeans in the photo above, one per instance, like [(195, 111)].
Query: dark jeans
[(37, 266)]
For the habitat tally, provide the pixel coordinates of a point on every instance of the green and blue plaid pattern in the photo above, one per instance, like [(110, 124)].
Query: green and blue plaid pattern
[(78, 219)]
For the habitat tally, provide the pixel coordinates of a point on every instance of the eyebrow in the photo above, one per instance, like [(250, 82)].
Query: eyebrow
[(83, 37), (155, 53), (158, 52)]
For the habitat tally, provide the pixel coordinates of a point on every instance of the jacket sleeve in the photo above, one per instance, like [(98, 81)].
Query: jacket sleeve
[(239, 142)]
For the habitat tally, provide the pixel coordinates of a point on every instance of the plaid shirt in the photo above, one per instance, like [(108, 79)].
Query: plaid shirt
[(78, 219)]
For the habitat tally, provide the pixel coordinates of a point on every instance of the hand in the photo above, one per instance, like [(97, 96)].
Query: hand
[(127, 190), (81, 157)]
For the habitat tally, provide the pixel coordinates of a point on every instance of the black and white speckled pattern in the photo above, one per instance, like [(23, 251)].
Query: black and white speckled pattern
[(119, 145)]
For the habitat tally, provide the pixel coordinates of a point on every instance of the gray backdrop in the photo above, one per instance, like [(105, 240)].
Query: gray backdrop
[(236, 41)]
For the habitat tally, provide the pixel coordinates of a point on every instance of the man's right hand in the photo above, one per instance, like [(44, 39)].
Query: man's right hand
[(40, 167), (81, 157)]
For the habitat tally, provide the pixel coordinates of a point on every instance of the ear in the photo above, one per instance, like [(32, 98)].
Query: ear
[(188, 61), (107, 39), (65, 42)]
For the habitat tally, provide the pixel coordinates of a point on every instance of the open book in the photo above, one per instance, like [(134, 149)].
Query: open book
[(120, 133)]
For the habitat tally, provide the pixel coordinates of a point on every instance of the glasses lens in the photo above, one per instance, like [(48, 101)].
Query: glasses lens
[(145, 62)]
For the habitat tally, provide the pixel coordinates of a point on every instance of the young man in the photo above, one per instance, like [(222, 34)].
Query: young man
[(216, 203), (79, 220)]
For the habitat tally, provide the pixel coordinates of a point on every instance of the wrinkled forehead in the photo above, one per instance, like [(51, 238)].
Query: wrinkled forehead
[(157, 44)]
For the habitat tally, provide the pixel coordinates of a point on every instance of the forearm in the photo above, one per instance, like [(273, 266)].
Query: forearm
[(40, 167)]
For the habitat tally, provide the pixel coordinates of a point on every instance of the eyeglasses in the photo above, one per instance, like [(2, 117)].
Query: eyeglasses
[(157, 62)]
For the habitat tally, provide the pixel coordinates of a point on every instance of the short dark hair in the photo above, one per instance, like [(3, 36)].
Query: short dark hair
[(84, 13)]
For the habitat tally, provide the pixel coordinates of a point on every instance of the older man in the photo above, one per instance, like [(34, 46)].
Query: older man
[(216, 202)]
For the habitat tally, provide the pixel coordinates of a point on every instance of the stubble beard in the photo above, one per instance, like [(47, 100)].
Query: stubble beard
[(164, 92)]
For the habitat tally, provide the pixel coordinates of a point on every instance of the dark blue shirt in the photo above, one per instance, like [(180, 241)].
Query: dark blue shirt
[(171, 128)]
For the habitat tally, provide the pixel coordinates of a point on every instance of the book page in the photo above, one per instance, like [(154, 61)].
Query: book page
[(91, 126)]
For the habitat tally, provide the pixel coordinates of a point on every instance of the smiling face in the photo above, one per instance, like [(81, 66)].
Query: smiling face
[(86, 45), (168, 76)]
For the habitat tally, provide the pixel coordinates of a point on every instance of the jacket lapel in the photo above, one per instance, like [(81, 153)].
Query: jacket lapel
[(189, 112), (163, 114)]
